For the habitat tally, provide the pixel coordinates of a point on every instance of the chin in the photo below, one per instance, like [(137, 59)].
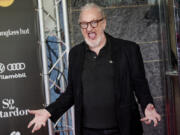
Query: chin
[(93, 43)]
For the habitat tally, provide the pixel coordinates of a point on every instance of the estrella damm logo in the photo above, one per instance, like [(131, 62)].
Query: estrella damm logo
[(6, 3)]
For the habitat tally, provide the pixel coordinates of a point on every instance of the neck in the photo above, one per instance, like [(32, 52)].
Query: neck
[(101, 45)]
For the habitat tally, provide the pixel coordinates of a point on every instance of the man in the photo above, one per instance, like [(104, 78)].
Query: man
[(104, 76)]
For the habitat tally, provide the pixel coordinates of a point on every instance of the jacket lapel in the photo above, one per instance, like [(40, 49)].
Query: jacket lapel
[(79, 68), (116, 55)]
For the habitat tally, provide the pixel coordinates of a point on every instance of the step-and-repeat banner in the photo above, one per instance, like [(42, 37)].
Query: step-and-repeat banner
[(21, 85)]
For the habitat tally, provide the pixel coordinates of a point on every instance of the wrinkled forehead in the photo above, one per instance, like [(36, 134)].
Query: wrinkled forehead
[(90, 14)]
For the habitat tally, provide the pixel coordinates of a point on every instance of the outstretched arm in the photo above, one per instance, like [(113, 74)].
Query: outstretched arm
[(55, 109), (141, 87)]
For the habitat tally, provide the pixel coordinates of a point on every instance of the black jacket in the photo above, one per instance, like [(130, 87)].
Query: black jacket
[(129, 80)]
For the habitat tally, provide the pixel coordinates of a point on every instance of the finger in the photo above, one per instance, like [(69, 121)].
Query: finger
[(36, 127), (147, 122), (155, 122), (44, 124), (158, 117), (30, 123), (32, 111), (144, 119)]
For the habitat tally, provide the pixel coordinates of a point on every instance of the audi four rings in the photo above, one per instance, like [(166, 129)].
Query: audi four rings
[(16, 66), (12, 67)]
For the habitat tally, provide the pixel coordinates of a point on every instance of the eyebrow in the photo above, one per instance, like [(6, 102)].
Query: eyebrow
[(92, 20)]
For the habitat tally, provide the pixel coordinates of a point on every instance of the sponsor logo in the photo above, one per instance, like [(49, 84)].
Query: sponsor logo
[(10, 110), (2, 68), (16, 66), (6, 3), (15, 133), (13, 76), (12, 67)]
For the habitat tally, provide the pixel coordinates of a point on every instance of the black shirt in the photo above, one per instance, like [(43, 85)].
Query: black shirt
[(98, 93)]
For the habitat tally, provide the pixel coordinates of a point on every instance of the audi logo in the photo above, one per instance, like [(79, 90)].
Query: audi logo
[(2, 68), (16, 66)]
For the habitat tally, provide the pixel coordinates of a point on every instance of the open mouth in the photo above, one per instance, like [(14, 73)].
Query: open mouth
[(92, 35)]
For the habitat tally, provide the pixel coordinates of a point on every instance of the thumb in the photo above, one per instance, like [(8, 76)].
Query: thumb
[(32, 111), (144, 119)]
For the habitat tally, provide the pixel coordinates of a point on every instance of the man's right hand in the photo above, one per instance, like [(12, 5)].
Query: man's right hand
[(39, 120)]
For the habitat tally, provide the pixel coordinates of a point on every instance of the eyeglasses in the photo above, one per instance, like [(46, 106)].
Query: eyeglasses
[(94, 23)]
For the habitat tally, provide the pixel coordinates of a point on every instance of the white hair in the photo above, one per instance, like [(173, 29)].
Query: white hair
[(89, 6)]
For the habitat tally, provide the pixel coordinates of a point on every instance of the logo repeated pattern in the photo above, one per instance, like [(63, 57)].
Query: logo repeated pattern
[(2, 68), (12, 67)]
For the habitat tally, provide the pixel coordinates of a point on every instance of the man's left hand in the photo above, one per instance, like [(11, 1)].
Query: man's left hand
[(151, 115)]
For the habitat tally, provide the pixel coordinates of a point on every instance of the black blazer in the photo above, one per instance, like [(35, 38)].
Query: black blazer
[(129, 80)]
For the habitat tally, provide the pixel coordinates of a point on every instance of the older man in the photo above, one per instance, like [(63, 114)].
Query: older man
[(105, 74)]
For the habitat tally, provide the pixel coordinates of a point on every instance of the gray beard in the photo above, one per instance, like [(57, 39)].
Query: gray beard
[(93, 44)]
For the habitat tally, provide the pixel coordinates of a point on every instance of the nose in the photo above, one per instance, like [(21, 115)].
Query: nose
[(89, 27)]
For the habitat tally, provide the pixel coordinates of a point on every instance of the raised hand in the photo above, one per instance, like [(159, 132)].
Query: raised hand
[(151, 115), (39, 120)]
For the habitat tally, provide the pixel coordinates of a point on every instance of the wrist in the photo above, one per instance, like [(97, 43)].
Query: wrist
[(47, 113)]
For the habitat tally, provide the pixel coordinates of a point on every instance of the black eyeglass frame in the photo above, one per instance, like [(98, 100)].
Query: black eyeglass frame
[(91, 23)]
